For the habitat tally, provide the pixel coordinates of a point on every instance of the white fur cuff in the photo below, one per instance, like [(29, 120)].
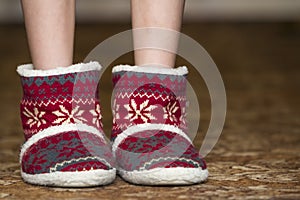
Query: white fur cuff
[(28, 70), (180, 71)]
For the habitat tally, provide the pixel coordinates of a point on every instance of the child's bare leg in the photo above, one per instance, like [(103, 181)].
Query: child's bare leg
[(60, 110), (149, 106), (50, 32), (165, 14)]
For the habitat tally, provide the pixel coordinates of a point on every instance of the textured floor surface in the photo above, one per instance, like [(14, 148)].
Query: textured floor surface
[(258, 153)]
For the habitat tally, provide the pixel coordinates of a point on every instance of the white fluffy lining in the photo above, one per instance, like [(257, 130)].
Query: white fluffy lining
[(180, 71), (165, 176), (143, 127), (28, 70), (72, 179), (54, 130)]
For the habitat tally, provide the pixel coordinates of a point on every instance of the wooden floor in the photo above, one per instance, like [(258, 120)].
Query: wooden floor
[(258, 153)]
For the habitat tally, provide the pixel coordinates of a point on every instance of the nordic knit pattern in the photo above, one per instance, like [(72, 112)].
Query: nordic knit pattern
[(54, 108), (149, 120)]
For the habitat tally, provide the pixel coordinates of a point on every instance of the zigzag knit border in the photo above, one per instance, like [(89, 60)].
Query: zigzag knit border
[(144, 166), (54, 98), (62, 101), (54, 168), (129, 95)]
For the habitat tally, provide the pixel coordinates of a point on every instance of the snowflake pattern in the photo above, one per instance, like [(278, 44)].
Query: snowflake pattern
[(142, 111), (66, 117), (35, 117), (97, 117), (170, 110)]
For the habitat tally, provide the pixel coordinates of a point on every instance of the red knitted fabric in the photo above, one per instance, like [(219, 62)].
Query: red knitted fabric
[(61, 117), (149, 120)]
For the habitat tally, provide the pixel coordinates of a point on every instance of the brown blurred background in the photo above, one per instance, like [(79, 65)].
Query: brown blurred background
[(196, 10), (256, 46)]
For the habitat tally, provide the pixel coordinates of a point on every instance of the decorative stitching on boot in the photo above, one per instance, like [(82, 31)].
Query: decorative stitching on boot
[(149, 120), (61, 118)]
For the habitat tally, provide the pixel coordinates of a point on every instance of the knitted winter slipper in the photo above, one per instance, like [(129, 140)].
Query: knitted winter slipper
[(65, 145), (149, 126)]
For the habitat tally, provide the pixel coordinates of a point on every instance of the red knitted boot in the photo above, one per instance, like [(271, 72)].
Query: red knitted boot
[(149, 127), (60, 111)]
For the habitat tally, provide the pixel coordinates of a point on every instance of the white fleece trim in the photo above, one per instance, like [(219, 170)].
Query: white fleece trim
[(144, 127), (54, 130), (72, 179), (180, 71), (165, 176), (28, 70)]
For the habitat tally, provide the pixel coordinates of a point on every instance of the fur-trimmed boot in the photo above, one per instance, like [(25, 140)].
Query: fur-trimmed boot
[(149, 127), (60, 111)]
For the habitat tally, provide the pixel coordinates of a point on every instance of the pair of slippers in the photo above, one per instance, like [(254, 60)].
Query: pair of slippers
[(65, 145)]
